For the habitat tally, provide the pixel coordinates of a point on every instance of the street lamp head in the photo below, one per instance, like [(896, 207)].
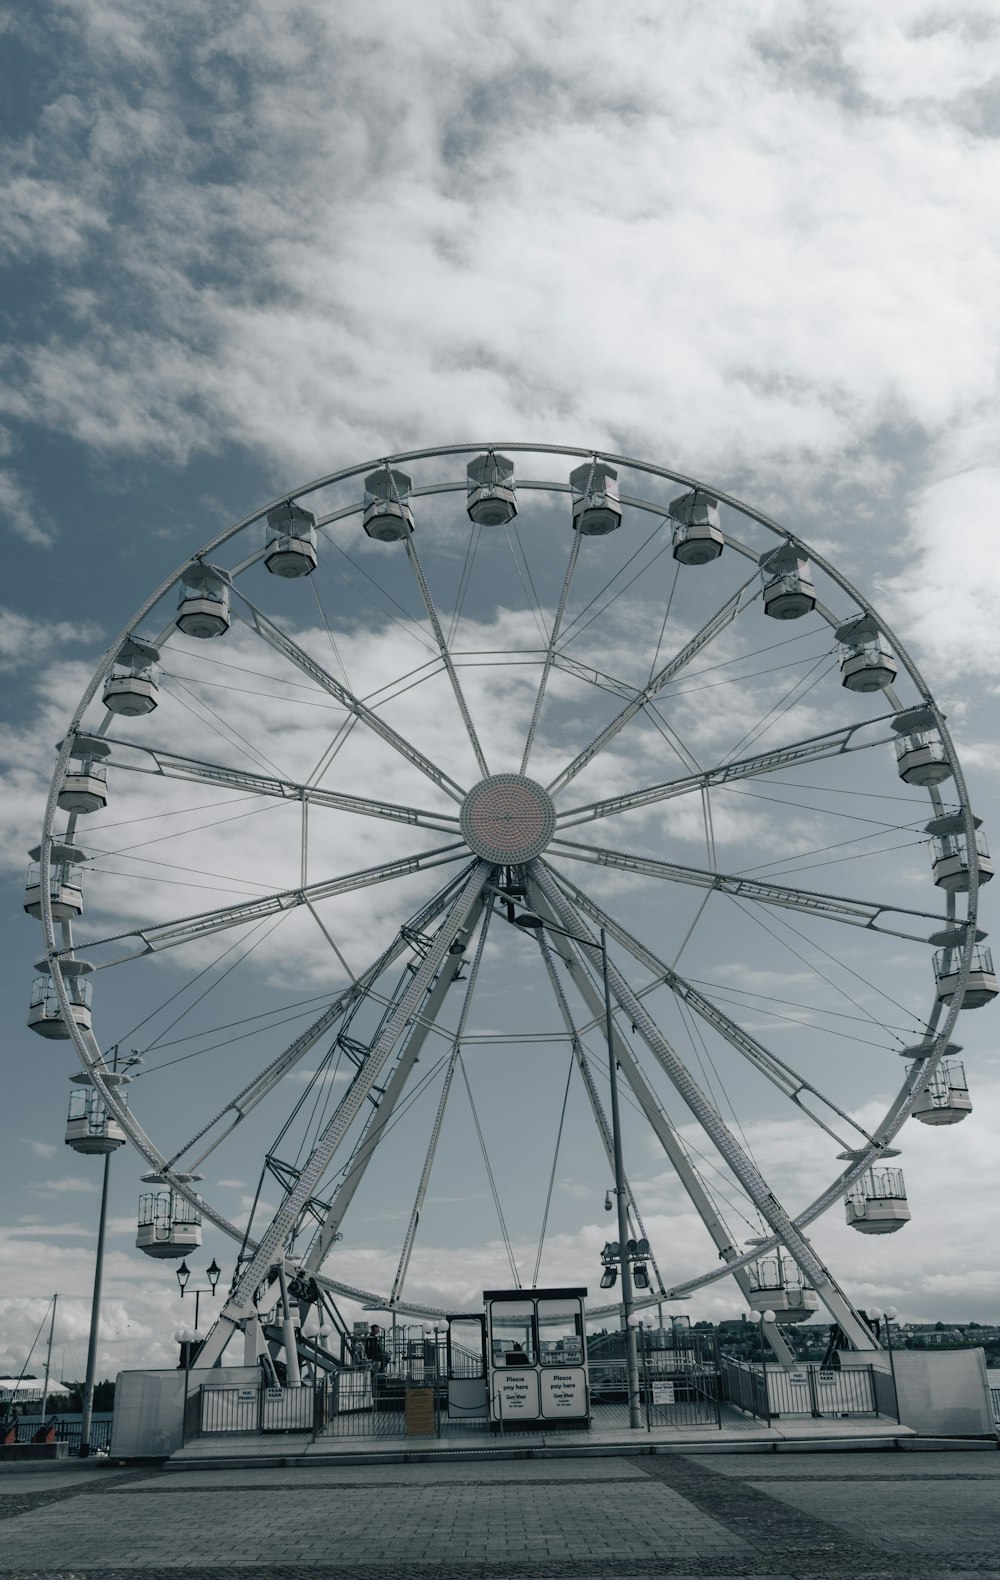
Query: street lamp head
[(214, 1274), (769, 1316), (874, 1313), (607, 1201), (183, 1274), (890, 1313)]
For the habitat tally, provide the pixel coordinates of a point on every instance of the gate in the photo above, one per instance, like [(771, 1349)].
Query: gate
[(679, 1378)]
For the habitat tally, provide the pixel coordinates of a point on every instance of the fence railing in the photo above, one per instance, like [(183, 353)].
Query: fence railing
[(67, 1430), (809, 1390), (995, 1396)]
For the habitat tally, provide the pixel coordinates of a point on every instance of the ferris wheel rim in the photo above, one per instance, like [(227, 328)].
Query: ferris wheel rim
[(900, 1109)]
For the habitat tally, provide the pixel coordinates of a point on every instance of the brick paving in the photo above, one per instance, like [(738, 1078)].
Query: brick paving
[(830, 1516)]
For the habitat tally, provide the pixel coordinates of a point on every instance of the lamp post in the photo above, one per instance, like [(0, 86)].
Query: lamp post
[(183, 1275), (888, 1315), (534, 923), (761, 1317)]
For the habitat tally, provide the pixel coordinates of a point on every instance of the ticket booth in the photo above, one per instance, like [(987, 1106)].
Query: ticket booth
[(536, 1353)]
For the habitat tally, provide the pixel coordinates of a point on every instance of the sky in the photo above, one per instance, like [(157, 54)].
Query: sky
[(248, 245)]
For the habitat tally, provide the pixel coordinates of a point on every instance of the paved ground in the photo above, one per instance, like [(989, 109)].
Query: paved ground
[(816, 1516)]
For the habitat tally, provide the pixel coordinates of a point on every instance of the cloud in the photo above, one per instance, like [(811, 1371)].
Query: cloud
[(42, 1149), (25, 516)]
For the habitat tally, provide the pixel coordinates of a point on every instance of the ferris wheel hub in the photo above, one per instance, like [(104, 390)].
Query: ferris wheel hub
[(507, 818)]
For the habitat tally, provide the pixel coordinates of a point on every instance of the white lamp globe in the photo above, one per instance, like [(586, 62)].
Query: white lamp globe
[(891, 1313)]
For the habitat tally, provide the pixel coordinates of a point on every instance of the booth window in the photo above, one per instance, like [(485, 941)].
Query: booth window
[(512, 1330), (560, 1332)]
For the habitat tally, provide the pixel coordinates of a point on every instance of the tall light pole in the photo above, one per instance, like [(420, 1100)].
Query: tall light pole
[(87, 1409), (534, 923)]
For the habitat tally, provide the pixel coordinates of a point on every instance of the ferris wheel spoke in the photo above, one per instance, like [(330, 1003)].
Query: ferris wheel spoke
[(282, 643), (741, 600), (174, 765), (782, 1075), (446, 657), (830, 907), (256, 1090), (550, 651), (737, 1160), (832, 743), (272, 1243), (167, 935)]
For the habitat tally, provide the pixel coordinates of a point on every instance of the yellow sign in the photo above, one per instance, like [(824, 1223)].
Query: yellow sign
[(420, 1412)]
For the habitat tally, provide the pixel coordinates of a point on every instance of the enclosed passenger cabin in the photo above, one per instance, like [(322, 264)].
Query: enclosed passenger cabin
[(492, 491), (65, 890), (697, 537), (203, 603), (168, 1226), (950, 853), (876, 1203), (388, 517), (946, 1100), (90, 1128), (777, 1285), (920, 755), (291, 541), (866, 663), (981, 985), (131, 688), (44, 1010), (596, 505), (85, 782), (788, 590)]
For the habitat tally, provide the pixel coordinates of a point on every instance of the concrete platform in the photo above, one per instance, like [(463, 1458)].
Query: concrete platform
[(741, 1435)]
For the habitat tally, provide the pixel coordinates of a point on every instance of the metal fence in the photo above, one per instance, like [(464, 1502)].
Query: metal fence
[(680, 1382), (67, 1430), (809, 1390), (995, 1396)]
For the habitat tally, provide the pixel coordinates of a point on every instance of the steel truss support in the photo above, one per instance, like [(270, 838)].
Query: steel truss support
[(444, 650), (735, 605), (173, 765), (835, 743), (282, 643), (375, 1129), (782, 1075), (745, 1171), (166, 935), (425, 1175), (271, 1248), (550, 650), (830, 907), (657, 1119)]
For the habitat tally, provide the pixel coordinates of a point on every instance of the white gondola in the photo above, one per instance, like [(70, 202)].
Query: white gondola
[(291, 541), (387, 518), (920, 755), (981, 985), (90, 1128), (203, 604), (85, 783), (950, 854), (65, 891), (131, 688), (866, 664), (492, 491), (44, 1010), (596, 506), (788, 589), (946, 1100), (777, 1285), (876, 1203), (697, 538), (168, 1225)]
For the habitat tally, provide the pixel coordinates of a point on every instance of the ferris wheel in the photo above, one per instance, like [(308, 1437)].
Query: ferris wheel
[(359, 734)]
